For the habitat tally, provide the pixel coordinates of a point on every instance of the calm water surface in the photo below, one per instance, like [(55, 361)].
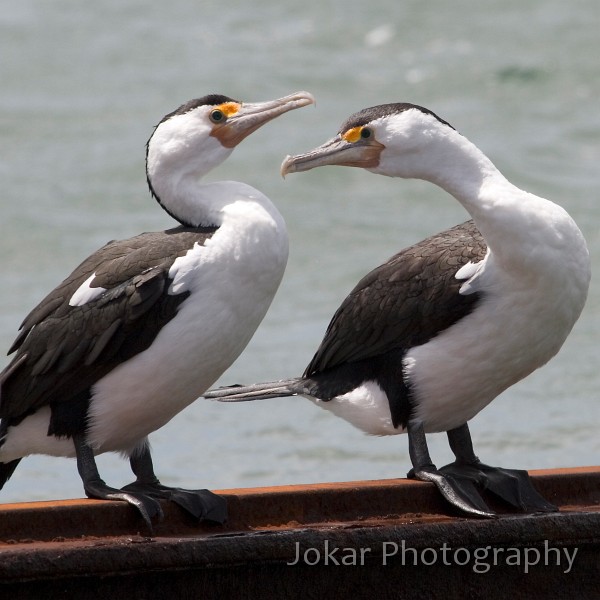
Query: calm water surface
[(82, 87)]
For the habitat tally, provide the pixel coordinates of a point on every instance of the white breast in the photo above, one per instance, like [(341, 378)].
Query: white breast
[(231, 281), (533, 290)]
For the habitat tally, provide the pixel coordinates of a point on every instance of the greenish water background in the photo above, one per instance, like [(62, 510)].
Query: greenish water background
[(81, 86)]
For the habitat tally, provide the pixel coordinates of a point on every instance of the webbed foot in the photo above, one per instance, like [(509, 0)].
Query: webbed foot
[(462, 481), (203, 505), (147, 506), (95, 487), (512, 486), (459, 492)]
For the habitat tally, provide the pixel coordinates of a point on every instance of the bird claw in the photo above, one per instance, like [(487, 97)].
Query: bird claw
[(203, 505), (148, 507), (460, 494)]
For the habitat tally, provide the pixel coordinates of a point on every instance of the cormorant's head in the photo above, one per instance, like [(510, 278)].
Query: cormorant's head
[(202, 133), (383, 139)]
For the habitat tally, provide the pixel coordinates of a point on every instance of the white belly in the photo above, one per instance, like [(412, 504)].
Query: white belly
[(507, 337)]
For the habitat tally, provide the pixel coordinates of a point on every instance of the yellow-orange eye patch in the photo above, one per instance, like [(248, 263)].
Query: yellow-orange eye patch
[(352, 135), (229, 108)]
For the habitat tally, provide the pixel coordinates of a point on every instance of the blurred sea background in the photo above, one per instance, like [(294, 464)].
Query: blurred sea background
[(83, 84)]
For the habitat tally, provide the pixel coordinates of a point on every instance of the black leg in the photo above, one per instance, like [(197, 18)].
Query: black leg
[(461, 444), (462, 496), (201, 504), (95, 487), (513, 486), (418, 449)]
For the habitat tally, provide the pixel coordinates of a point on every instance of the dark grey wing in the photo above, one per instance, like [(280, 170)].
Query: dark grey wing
[(62, 350), (113, 264), (404, 302)]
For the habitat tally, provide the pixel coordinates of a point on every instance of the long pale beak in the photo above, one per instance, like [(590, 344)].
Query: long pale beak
[(337, 151), (253, 115)]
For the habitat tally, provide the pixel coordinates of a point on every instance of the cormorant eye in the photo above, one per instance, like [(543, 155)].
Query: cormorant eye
[(217, 116), (365, 133)]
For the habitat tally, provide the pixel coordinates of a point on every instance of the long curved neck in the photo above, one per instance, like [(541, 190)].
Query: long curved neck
[(195, 203), (187, 199), (502, 212), (174, 173), (525, 234), (461, 169)]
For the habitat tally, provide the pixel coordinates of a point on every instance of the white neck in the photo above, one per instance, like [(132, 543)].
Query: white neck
[(180, 191), (215, 203), (188, 200), (493, 202), (510, 219), (179, 154), (461, 169)]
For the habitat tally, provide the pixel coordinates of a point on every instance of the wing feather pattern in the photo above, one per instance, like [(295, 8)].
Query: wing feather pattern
[(62, 350), (404, 302)]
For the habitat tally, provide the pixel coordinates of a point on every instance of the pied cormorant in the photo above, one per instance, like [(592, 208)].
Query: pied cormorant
[(431, 337), (144, 326)]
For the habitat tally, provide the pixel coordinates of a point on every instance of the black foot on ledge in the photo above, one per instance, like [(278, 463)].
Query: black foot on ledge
[(203, 505), (459, 492), (94, 486), (461, 485), (148, 507), (462, 481), (512, 486)]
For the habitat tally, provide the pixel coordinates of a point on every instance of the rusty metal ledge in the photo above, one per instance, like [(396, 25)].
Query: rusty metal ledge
[(89, 548)]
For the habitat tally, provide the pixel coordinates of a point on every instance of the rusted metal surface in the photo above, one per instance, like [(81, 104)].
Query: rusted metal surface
[(91, 549)]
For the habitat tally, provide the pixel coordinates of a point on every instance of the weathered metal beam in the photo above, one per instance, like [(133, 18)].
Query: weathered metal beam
[(392, 538)]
